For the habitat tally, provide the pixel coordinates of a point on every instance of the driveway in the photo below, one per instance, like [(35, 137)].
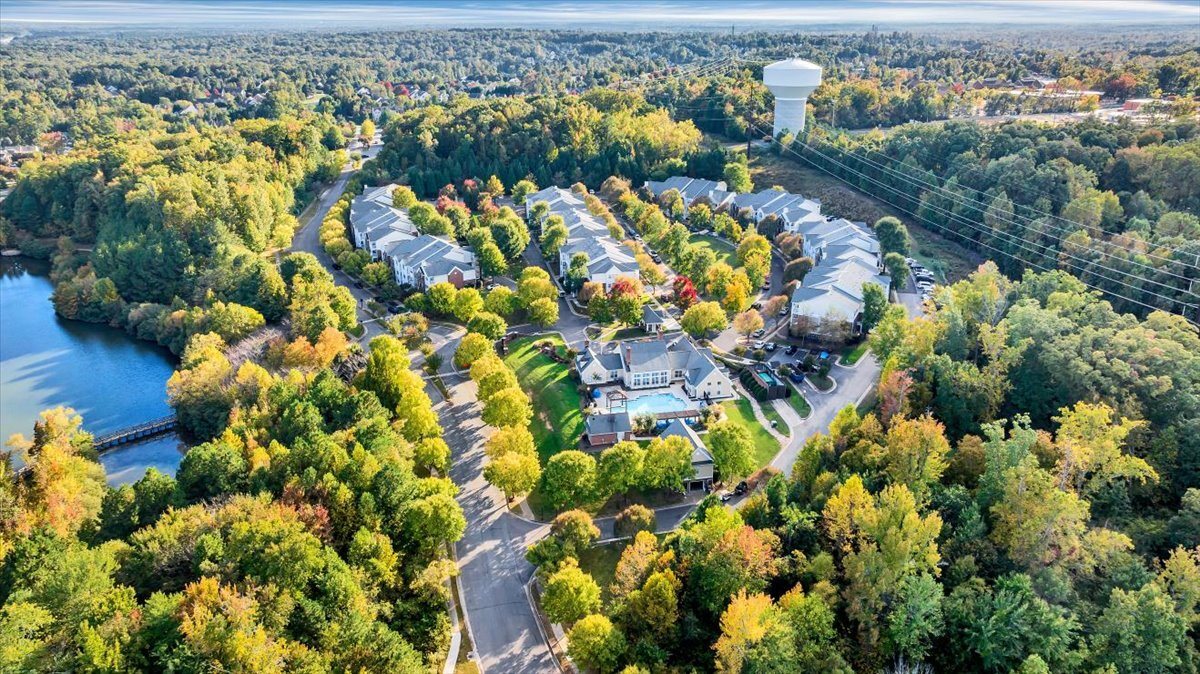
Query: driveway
[(491, 555)]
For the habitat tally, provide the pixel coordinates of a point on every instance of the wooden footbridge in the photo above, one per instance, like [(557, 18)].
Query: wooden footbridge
[(135, 433)]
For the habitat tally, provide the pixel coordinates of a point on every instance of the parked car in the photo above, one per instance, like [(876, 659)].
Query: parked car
[(490, 286), (358, 284), (741, 488), (760, 332), (395, 308), (656, 257), (791, 350), (771, 346), (783, 311), (757, 345), (796, 376), (562, 293), (756, 305), (766, 285), (726, 497)]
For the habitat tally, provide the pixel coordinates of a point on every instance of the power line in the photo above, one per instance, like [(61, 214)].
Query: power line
[(1091, 265), (965, 238), (942, 190), (1044, 247)]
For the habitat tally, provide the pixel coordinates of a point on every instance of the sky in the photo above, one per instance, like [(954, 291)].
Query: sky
[(607, 14)]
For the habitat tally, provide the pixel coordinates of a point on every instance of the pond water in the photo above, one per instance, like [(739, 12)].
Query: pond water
[(107, 376)]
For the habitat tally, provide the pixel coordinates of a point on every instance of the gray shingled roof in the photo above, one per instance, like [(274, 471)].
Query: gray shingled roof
[(612, 422), (677, 427), (646, 356)]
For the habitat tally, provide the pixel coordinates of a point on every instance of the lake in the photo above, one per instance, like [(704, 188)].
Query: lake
[(107, 376)]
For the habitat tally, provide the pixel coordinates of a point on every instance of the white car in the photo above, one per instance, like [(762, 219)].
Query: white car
[(758, 345)]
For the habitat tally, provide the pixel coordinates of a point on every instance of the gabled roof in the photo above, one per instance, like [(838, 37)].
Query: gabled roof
[(434, 255), (646, 356), (677, 427), (691, 189), (372, 213)]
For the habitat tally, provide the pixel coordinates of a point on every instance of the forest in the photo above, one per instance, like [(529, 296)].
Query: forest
[(997, 510), (307, 534), (1020, 494)]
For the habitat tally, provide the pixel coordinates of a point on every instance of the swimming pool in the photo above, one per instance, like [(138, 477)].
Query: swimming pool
[(656, 403), (768, 378)]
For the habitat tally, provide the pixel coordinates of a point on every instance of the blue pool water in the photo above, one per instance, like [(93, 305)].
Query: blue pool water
[(657, 403), (769, 378)]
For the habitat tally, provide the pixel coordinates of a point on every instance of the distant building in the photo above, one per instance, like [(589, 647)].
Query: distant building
[(691, 189)]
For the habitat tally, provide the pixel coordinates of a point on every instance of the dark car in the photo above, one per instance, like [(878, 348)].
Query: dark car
[(796, 376), (791, 350), (741, 488), (394, 308), (359, 285)]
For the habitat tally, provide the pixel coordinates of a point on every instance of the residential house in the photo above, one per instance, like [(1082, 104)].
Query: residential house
[(376, 223), (427, 260), (792, 210), (702, 461), (608, 259), (691, 189), (829, 304), (656, 320), (655, 362)]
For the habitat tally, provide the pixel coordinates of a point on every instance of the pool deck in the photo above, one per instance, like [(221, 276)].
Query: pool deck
[(676, 390)]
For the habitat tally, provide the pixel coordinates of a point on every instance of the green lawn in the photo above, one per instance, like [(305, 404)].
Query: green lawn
[(557, 422), (772, 415), (822, 383), (850, 355), (799, 404), (631, 332), (601, 562), (724, 250), (765, 445)]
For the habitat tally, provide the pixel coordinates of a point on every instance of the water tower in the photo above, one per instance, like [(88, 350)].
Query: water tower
[(792, 81)]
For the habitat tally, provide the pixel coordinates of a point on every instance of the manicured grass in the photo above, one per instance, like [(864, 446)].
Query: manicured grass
[(601, 562), (799, 404), (557, 422), (822, 383), (765, 445), (724, 250), (632, 332), (771, 414), (851, 355)]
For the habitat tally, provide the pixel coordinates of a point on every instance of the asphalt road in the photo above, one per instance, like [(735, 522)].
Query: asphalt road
[(491, 555), (308, 240)]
